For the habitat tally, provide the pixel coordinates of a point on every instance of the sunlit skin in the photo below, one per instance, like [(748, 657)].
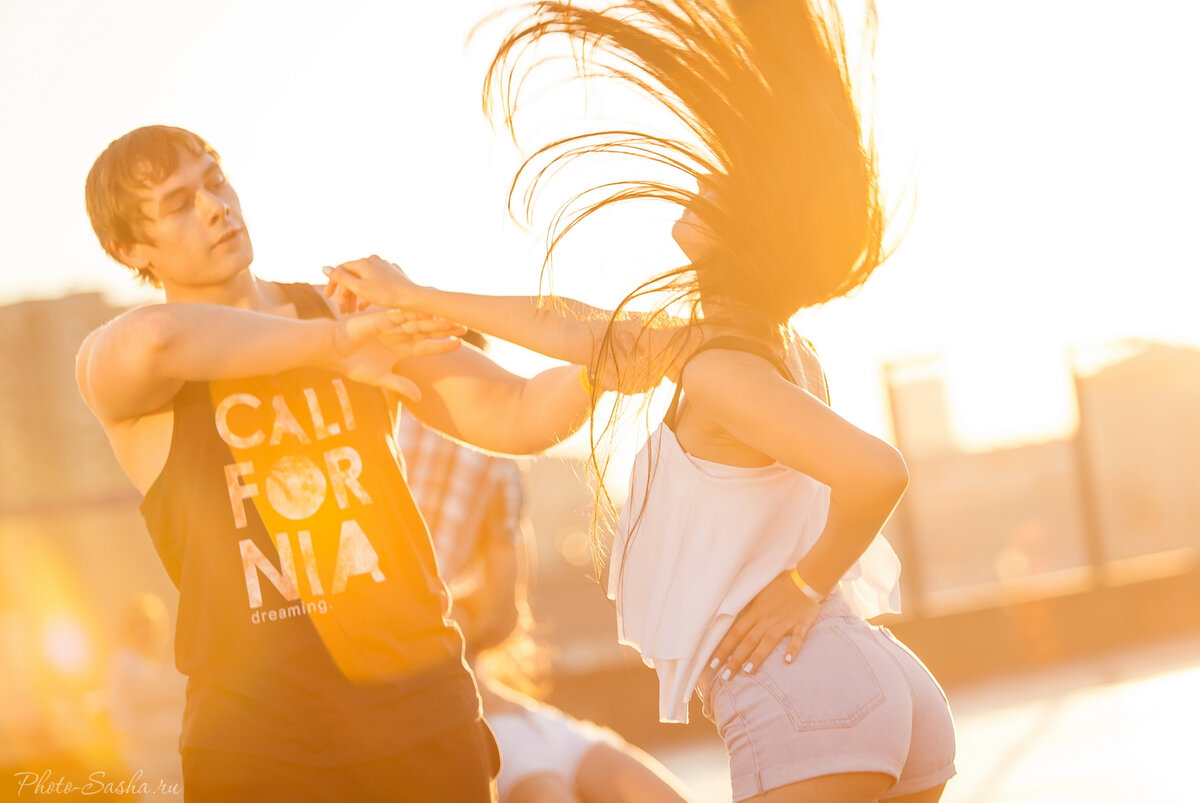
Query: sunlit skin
[(235, 330), (197, 244), (734, 401), (691, 235)]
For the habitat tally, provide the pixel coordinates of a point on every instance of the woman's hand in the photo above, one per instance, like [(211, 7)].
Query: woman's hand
[(780, 611), (367, 346), (362, 282)]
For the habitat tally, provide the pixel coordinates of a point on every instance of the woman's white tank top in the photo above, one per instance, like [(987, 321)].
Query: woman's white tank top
[(697, 540)]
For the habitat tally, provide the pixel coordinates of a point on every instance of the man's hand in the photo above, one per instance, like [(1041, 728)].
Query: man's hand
[(627, 366), (362, 282), (367, 346)]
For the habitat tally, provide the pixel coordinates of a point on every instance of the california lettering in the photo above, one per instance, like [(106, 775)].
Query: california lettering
[(294, 487)]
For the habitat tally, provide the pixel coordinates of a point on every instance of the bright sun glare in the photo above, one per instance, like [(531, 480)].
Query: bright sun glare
[(1053, 194)]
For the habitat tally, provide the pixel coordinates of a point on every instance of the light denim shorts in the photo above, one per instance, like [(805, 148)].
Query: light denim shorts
[(854, 700)]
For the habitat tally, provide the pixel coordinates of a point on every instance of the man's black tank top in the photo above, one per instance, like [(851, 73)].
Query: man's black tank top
[(312, 623)]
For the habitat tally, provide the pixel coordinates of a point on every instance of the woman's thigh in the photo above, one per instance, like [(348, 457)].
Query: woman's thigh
[(853, 787)]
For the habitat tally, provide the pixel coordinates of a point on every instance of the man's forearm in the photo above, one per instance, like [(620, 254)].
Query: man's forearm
[(530, 415), (211, 342), (138, 361), (554, 405)]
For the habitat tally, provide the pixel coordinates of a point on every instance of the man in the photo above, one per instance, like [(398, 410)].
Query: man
[(312, 624)]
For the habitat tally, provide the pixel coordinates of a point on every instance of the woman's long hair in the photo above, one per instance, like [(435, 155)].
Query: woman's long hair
[(772, 131)]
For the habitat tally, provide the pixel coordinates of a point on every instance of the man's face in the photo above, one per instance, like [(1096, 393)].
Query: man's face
[(195, 230)]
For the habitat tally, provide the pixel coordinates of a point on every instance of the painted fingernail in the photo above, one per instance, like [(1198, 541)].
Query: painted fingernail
[(727, 674), (747, 667), (715, 663), (326, 269), (787, 659)]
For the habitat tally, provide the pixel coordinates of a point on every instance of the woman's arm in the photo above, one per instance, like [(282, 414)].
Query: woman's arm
[(866, 477), (562, 328)]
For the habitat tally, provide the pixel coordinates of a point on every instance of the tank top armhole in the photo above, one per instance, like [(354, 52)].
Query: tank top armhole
[(308, 300), (188, 389), (309, 304), (158, 495)]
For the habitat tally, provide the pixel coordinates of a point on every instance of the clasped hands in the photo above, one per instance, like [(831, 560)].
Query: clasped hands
[(367, 345), (373, 281)]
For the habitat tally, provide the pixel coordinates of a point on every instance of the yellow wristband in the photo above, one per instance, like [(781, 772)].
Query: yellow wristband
[(586, 380), (805, 588)]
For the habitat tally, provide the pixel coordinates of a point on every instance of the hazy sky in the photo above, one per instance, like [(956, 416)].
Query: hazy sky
[(1051, 143)]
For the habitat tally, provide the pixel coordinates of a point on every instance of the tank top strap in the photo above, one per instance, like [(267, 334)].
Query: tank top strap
[(308, 300), (731, 343)]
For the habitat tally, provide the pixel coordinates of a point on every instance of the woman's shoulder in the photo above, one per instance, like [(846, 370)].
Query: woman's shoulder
[(721, 371)]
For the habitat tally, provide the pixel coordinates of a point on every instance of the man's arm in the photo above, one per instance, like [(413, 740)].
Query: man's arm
[(467, 396), (137, 362)]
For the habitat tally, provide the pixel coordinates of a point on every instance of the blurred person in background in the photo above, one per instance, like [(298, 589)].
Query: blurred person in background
[(258, 423), (747, 558), (474, 504), (145, 694)]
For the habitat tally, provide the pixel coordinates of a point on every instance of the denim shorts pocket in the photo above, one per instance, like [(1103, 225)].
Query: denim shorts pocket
[(829, 685)]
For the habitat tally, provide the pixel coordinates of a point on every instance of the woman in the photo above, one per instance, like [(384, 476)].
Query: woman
[(746, 560)]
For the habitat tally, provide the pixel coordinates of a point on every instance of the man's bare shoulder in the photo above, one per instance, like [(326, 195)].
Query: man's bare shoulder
[(82, 358), (139, 319), (145, 323), (110, 363)]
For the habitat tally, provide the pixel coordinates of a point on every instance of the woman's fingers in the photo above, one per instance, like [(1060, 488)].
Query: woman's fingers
[(776, 614), (729, 642), (746, 644), (759, 654), (749, 653), (372, 280), (343, 298), (355, 287), (793, 647)]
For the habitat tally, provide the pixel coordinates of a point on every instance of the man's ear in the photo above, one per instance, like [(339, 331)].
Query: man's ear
[(132, 255)]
